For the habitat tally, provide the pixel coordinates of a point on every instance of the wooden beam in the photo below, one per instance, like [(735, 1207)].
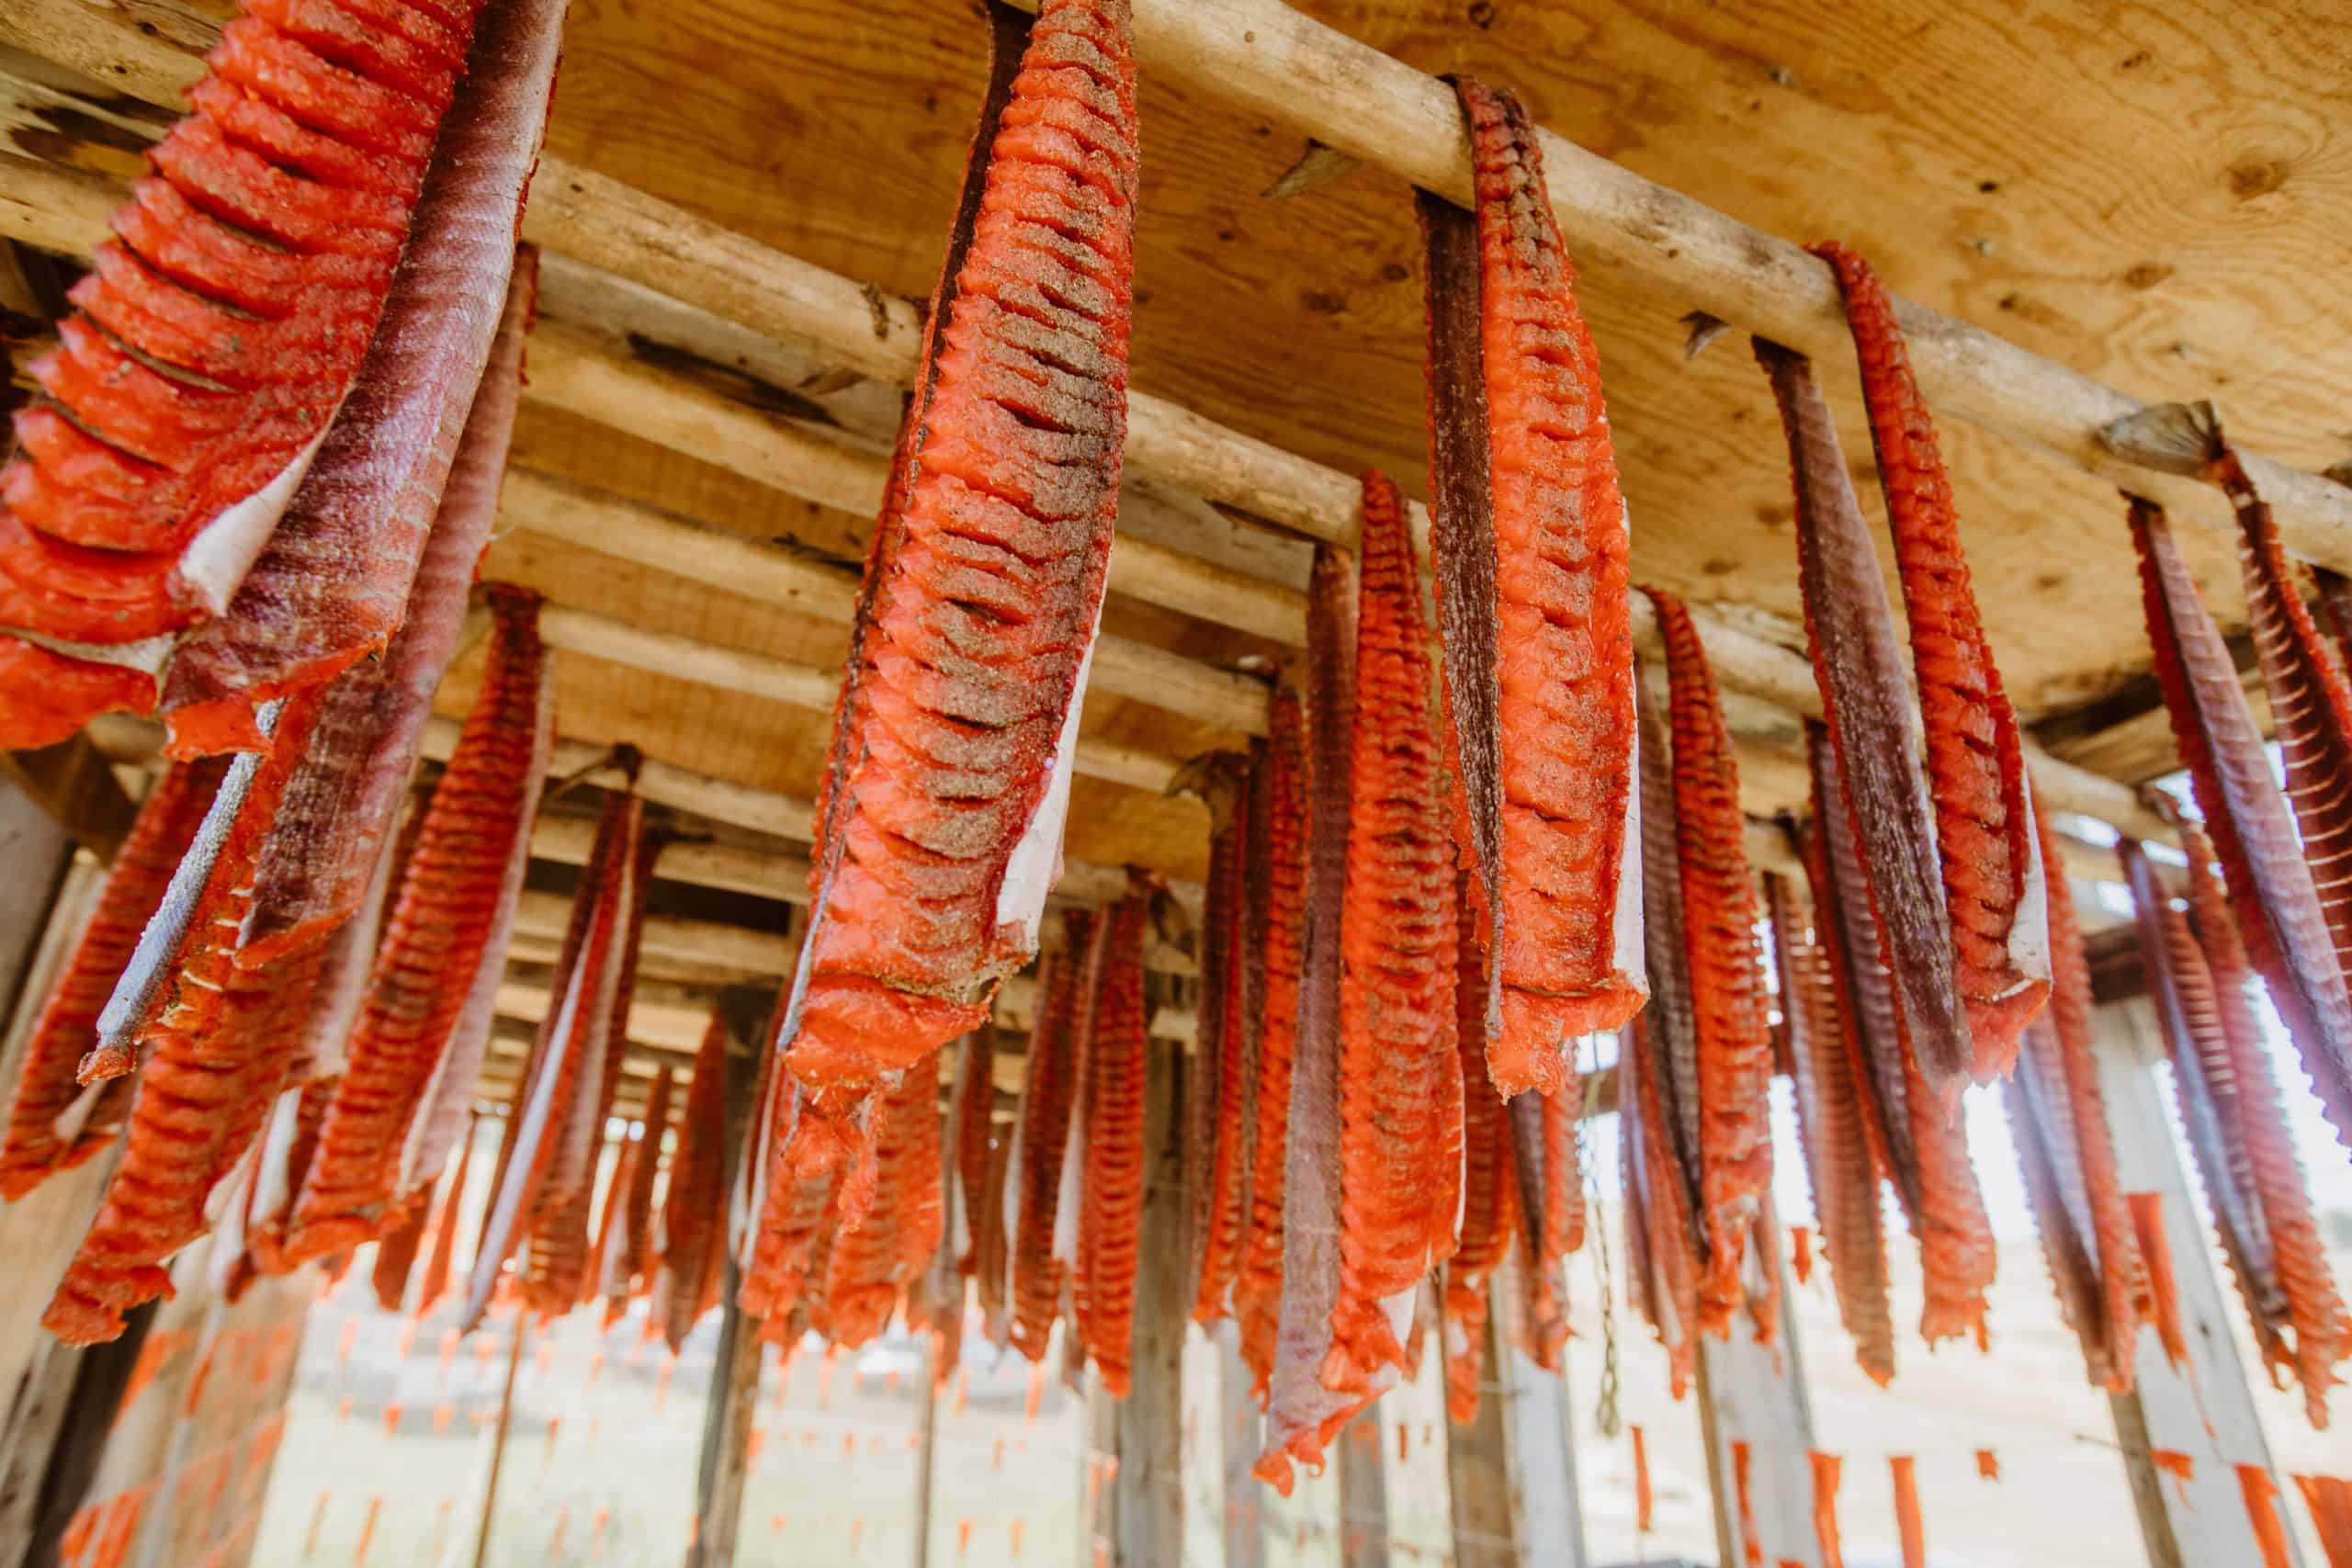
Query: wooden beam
[(1754, 1396), (764, 811), (804, 686), (2203, 1409), (74, 784)]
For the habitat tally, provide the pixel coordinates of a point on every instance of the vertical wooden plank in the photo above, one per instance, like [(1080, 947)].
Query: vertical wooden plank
[(1756, 1394), (1364, 1493), (2204, 1408), (927, 1445), (1542, 1452), (1146, 1494), (1238, 1436), (1477, 1474), (735, 1368), (34, 852)]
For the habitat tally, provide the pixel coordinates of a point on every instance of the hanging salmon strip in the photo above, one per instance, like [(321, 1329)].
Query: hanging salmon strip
[(873, 1261), (629, 1265), (1866, 702), (1048, 1087), (1725, 973), (1529, 542), (1662, 1244), (2273, 894), (1399, 1156), (335, 577), (1302, 1414), (437, 1262), (67, 1026), (213, 340), (324, 850), (1116, 1073), (693, 1209), (1257, 1291), (1990, 852), (1829, 1129), (2059, 1117), (1218, 1097), (1489, 1197), (417, 1047), (949, 779), (1926, 1150)]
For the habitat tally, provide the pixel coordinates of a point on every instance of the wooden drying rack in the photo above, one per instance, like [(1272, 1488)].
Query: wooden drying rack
[(717, 291)]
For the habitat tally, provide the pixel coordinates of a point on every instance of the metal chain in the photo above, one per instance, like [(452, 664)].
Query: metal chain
[(1605, 1415)]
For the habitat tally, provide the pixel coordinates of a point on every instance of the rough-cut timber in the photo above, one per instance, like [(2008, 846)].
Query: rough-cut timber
[(1866, 702), (1400, 1131), (1530, 545), (2273, 896), (335, 580), (1302, 1415), (212, 342), (2058, 1115), (1727, 978), (1117, 1067), (1988, 847), (454, 901), (1926, 1145), (67, 1026), (949, 779), (324, 850), (1837, 1160), (1257, 1292)]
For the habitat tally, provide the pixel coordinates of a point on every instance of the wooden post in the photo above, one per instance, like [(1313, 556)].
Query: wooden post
[(927, 1439), (2203, 1408), (735, 1369), (75, 786), (1511, 1472), (1364, 1493), (1238, 1438), (1145, 1496), (1756, 1394), (34, 852), (498, 1436)]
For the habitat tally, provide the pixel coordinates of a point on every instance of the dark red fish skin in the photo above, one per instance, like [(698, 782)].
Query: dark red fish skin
[(2314, 1306), (1257, 1290), (1217, 1133), (1866, 702), (983, 622), (1975, 756), (2272, 896), (2312, 704), (67, 1025), (1543, 736), (2122, 1278), (1719, 919), (1396, 940), (1830, 1119), (434, 941), (1489, 1187)]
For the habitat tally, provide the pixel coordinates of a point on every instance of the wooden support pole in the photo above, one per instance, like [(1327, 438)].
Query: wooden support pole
[(927, 1445), (1510, 1474), (1237, 1446), (498, 1437), (1145, 1519), (76, 784), (1754, 1396), (1364, 1493), (735, 1371), (2204, 1408)]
